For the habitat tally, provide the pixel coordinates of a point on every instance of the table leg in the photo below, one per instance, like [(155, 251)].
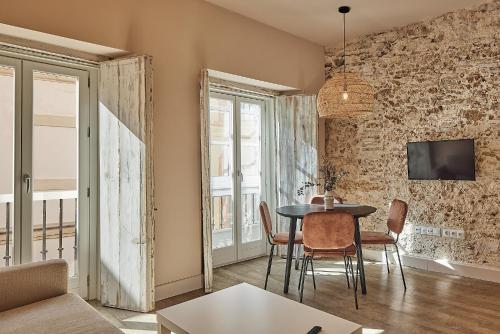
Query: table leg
[(163, 330), (289, 252), (359, 251)]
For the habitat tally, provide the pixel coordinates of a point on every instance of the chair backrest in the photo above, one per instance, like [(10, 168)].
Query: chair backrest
[(320, 199), (317, 199), (397, 216), (328, 230), (265, 217)]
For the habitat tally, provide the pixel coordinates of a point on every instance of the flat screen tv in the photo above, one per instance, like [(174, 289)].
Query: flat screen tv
[(441, 160)]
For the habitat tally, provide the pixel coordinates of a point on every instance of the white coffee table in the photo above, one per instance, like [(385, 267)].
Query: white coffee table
[(246, 309)]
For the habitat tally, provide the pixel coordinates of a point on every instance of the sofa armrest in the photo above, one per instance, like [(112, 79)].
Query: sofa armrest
[(29, 283)]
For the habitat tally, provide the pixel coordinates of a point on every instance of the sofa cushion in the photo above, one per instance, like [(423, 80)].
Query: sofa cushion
[(32, 282), (62, 314)]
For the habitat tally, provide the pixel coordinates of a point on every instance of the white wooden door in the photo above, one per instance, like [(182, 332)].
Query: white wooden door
[(126, 184)]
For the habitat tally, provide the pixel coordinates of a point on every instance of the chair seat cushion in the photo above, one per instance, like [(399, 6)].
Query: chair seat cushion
[(328, 253), (59, 315), (281, 238), (377, 238)]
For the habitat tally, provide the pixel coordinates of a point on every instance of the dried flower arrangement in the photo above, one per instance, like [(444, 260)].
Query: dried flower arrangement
[(328, 177)]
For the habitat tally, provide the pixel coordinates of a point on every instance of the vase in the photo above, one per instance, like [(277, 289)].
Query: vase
[(329, 200)]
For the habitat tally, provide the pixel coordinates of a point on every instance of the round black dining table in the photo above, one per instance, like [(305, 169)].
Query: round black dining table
[(295, 212)]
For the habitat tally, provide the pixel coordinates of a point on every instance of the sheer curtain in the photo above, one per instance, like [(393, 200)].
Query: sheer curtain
[(296, 143)]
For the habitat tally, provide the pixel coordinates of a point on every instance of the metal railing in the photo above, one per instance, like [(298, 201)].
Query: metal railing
[(61, 229), (220, 213)]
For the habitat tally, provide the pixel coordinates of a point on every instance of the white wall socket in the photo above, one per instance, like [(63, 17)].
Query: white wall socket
[(438, 232), (427, 230), (453, 233)]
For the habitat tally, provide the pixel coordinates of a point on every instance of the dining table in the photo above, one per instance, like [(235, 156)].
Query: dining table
[(298, 211)]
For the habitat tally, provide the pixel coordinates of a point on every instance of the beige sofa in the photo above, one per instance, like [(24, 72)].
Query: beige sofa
[(34, 299)]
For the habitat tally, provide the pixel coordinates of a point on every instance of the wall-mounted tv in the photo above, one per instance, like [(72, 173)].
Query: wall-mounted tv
[(441, 160)]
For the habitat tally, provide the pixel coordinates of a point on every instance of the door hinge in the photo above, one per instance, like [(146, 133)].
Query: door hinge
[(88, 132), (88, 82), (88, 192), (88, 282)]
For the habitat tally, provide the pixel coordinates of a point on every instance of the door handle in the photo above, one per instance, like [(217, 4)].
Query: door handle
[(27, 180)]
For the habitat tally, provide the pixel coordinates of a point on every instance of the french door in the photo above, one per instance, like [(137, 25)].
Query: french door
[(44, 166), (237, 177)]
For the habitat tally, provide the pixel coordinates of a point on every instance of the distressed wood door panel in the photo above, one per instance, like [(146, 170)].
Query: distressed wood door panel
[(126, 184)]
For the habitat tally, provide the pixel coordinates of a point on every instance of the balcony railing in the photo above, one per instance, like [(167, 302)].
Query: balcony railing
[(223, 214), (44, 231)]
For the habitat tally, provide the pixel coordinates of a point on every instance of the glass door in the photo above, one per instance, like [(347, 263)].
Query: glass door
[(222, 170), (48, 167), (250, 177), (10, 103), (236, 177)]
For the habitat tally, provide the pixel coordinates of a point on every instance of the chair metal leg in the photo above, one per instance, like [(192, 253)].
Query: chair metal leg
[(346, 266), (304, 268), (269, 263), (400, 266), (354, 283), (312, 269), (301, 271), (297, 256), (387, 260)]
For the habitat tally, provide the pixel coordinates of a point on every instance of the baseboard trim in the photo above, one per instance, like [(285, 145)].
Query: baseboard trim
[(175, 288), (476, 271)]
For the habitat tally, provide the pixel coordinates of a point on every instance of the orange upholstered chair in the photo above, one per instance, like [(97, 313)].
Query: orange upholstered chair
[(274, 238), (320, 199), (395, 224), (328, 235)]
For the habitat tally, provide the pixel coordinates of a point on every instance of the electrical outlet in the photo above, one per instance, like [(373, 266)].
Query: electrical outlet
[(427, 230), (453, 233)]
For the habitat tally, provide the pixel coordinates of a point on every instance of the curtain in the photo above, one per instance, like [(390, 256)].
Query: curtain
[(296, 142), (206, 202)]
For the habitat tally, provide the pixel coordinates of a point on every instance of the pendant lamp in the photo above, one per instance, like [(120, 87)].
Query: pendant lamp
[(345, 94)]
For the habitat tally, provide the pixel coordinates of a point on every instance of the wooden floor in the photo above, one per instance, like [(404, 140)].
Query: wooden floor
[(433, 303)]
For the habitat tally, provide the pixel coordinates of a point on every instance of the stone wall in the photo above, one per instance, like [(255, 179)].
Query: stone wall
[(434, 80)]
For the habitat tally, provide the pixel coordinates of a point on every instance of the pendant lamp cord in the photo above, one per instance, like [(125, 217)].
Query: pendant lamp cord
[(345, 78)]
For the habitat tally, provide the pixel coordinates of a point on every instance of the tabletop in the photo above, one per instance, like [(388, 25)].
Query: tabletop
[(300, 210), (246, 309)]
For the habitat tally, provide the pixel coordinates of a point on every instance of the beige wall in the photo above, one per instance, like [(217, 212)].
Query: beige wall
[(183, 36)]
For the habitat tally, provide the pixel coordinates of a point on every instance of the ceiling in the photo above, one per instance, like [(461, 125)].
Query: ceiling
[(319, 21)]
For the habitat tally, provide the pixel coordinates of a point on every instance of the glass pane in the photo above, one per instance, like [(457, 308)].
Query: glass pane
[(7, 112), (221, 169), (55, 168), (250, 115)]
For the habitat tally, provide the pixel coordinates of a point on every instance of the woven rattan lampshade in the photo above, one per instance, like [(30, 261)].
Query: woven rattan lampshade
[(360, 97)]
